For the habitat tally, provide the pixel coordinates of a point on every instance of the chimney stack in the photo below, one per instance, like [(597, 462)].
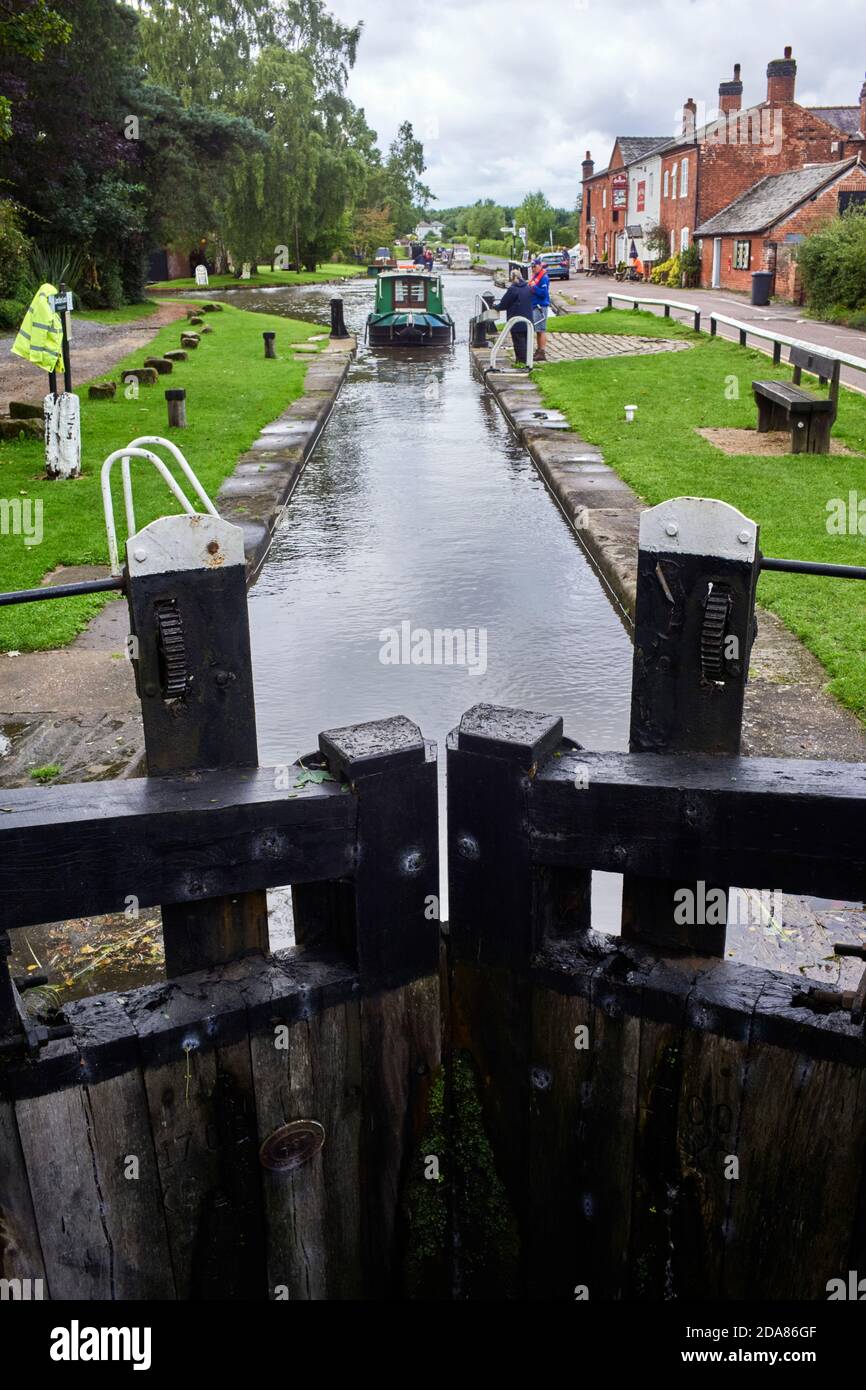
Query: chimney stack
[(587, 166), (781, 77), (731, 93), (690, 112), (863, 110)]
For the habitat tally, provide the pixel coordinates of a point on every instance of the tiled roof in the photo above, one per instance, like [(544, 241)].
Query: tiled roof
[(844, 118), (636, 146), (771, 198)]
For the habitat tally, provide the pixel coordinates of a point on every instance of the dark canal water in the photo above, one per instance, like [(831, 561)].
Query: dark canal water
[(419, 507)]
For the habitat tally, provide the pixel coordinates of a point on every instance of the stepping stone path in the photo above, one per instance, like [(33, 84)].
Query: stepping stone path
[(102, 390), (145, 376), (162, 365), (176, 355), (14, 429)]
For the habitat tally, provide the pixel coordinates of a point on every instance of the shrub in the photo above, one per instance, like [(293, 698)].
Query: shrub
[(488, 246), (12, 312), (832, 263), (55, 263), (667, 272), (690, 264), (14, 251)]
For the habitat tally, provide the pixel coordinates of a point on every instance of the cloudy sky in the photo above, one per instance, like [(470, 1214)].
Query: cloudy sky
[(507, 96)]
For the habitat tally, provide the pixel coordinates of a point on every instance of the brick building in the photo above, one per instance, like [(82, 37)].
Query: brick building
[(606, 213), (761, 229), (705, 168)]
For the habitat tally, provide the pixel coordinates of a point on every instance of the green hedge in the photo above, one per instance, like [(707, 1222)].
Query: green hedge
[(832, 263)]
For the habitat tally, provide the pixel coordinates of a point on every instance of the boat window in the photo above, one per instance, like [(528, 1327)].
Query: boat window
[(410, 294)]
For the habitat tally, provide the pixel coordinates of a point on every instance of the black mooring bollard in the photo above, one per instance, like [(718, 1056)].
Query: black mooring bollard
[(270, 348), (338, 323), (176, 399), (477, 332)]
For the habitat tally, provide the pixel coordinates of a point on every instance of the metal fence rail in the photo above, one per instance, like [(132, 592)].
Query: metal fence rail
[(780, 340), (667, 304)]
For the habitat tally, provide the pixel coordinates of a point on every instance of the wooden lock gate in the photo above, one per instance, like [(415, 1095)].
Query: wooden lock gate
[(516, 1107)]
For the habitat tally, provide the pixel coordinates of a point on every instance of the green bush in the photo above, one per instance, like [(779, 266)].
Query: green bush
[(489, 246), (668, 272), (832, 263), (690, 265), (14, 251), (12, 312)]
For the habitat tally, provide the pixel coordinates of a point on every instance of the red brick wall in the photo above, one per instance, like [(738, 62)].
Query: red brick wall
[(788, 137), (732, 279), (802, 221), (805, 220), (605, 227), (678, 212)]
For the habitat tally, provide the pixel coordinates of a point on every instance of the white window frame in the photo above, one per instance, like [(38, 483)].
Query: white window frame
[(674, 179), (684, 178), (673, 242), (735, 257), (684, 239), (604, 197), (665, 182)]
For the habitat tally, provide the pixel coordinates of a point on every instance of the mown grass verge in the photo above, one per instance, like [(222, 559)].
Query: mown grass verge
[(127, 313), (232, 391), (263, 275), (793, 497)]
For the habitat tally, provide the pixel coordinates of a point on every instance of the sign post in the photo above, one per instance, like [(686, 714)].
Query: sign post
[(62, 412)]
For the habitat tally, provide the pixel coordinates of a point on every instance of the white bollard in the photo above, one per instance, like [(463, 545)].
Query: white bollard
[(62, 435)]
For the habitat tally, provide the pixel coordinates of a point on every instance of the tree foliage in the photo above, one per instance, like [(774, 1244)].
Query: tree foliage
[(217, 123), (832, 262)]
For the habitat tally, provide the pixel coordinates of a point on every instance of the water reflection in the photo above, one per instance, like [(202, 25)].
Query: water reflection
[(419, 506)]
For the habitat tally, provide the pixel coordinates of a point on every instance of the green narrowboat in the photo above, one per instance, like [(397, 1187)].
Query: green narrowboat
[(409, 310)]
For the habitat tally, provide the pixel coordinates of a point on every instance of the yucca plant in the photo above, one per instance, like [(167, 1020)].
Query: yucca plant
[(58, 264)]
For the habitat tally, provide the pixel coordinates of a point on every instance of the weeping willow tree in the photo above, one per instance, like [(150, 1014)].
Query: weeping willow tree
[(282, 66)]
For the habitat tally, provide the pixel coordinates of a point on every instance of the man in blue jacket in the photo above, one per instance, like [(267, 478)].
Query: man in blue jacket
[(539, 283), (517, 303)]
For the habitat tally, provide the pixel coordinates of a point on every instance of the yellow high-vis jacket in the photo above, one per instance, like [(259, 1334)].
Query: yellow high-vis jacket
[(40, 336)]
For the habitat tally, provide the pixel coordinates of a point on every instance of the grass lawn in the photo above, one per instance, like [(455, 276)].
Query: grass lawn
[(232, 390), (126, 314), (662, 456), (263, 275)]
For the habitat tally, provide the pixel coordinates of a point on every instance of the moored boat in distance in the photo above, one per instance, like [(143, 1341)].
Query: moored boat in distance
[(409, 310)]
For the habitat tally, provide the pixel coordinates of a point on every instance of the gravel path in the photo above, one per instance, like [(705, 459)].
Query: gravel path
[(95, 349)]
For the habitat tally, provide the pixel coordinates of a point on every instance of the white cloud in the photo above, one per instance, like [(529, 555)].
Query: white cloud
[(508, 96)]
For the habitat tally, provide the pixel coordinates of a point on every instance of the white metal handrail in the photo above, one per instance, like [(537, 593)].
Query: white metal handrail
[(666, 304), (134, 450), (846, 358), (509, 326)]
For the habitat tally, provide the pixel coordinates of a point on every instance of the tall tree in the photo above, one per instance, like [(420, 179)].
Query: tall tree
[(536, 215), (27, 29)]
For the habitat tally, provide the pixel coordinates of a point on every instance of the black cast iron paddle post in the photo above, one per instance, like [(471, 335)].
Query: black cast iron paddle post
[(190, 646), (698, 566)]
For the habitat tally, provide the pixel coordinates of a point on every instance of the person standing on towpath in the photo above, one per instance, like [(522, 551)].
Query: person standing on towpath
[(517, 303), (539, 283)]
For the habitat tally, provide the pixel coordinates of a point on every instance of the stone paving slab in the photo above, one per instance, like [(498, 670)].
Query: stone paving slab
[(571, 347)]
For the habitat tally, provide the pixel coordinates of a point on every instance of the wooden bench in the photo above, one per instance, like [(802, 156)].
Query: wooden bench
[(785, 405)]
